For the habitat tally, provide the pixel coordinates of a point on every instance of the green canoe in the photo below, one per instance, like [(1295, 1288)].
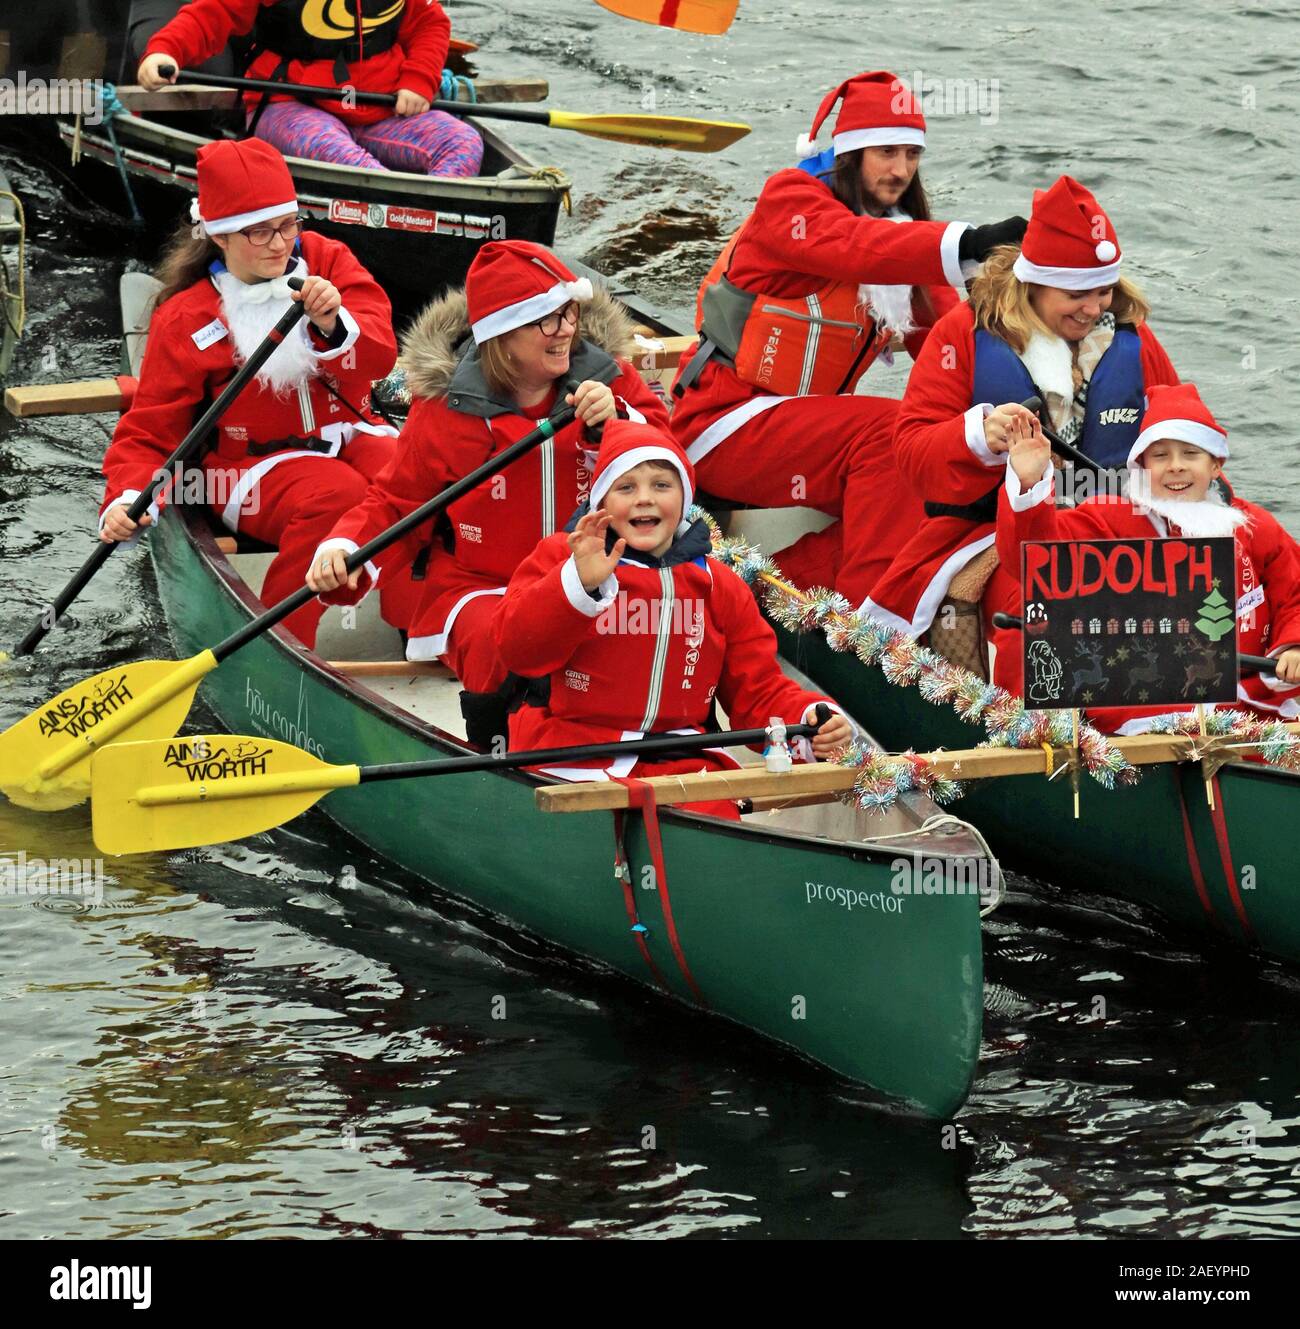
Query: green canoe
[(1227, 872), (794, 933)]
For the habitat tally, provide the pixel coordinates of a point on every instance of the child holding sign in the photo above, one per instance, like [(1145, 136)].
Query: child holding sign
[(1172, 465)]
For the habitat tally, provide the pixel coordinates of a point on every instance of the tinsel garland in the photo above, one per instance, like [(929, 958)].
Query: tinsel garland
[(1270, 738)]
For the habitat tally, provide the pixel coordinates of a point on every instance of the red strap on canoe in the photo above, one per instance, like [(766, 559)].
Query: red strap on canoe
[(1193, 858), (1225, 861), (126, 385), (641, 796), (624, 873)]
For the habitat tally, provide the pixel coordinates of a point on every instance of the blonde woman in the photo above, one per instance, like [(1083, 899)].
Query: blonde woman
[(1053, 319)]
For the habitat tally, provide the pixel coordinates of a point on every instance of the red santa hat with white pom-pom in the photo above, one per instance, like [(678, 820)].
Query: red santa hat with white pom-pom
[(878, 110), (624, 445), (1070, 242), (241, 182), (1176, 411), (514, 282)]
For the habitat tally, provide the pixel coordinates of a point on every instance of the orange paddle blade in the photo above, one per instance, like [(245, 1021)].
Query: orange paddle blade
[(708, 16), (458, 47)]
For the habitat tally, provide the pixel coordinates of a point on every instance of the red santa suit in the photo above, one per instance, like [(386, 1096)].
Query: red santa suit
[(650, 650), (457, 423), (1267, 593), (939, 438), (289, 456), (407, 45), (796, 435)]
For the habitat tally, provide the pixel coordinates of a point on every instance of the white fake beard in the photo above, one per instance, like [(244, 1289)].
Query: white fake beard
[(293, 362), (1207, 519), (890, 306)]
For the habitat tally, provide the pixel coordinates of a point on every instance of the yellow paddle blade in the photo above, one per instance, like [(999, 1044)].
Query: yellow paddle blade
[(202, 789), (655, 131), (45, 757), (707, 16)]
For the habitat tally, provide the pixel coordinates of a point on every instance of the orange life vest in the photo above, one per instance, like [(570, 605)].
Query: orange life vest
[(790, 346)]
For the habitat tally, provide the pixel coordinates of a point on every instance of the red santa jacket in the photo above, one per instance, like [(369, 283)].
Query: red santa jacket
[(190, 357), (455, 425), (799, 237), (648, 653), (939, 446), (203, 27), (1267, 594)]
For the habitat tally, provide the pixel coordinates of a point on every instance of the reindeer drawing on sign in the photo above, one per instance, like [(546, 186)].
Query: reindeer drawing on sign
[(1209, 670), (1147, 673), (1093, 672)]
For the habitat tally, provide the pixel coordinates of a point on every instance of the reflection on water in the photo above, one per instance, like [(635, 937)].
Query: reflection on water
[(250, 1040)]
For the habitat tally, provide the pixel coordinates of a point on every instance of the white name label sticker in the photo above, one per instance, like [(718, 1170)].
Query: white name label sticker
[(204, 337), (1251, 600)]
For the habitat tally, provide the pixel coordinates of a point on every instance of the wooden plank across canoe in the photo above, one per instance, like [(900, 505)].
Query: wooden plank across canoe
[(178, 97), (83, 398), (805, 783)]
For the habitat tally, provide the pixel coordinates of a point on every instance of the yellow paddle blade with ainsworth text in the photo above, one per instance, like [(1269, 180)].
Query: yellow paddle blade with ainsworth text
[(655, 131), (45, 757), (708, 16), (202, 789)]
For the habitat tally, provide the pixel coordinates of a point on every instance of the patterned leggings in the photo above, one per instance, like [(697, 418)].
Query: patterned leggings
[(431, 143)]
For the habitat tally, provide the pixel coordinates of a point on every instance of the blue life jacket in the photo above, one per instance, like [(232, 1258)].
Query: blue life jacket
[(1116, 392)]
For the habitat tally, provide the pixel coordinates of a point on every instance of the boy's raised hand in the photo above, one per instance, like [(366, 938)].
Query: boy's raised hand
[(587, 544), (1030, 452)]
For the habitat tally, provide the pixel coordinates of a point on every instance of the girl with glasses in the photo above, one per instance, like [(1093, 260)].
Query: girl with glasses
[(297, 447), (484, 366), (393, 46)]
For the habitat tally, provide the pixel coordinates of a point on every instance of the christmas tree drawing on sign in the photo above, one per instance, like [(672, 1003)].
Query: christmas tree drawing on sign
[(1215, 619)]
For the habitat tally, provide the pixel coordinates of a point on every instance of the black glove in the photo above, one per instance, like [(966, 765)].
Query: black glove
[(980, 241)]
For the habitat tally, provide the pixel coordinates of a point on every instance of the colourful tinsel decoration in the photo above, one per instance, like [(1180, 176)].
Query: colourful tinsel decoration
[(882, 778), (1270, 738)]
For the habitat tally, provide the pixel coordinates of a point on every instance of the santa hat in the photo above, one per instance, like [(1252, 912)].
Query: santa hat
[(1070, 242), (241, 183), (514, 282), (624, 445), (878, 109), (1177, 411)]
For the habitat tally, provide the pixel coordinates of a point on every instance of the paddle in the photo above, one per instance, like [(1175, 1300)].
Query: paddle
[(656, 131), (708, 16), (183, 450), (1255, 663), (45, 757), (1059, 445), (183, 792)]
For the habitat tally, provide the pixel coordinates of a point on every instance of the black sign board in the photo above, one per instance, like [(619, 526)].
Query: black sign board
[(1129, 622)]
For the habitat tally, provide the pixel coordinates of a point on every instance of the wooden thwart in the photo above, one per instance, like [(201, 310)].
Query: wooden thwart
[(176, 97), (825, 779), (84, 398)]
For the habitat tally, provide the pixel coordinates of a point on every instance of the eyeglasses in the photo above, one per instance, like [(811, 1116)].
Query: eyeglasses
[(263, 235), (550, 325)]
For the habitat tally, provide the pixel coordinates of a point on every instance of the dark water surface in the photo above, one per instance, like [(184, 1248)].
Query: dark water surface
[(280, 1037)]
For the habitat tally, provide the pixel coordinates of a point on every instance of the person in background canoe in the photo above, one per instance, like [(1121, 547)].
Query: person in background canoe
[(837, 258), (1053, 319), (298, 445), (637, 630), (484, 366), (1172, 466), (392, 46)]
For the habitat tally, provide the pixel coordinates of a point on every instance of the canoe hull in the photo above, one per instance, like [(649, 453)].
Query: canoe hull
[(797, 938), (1228, 874)]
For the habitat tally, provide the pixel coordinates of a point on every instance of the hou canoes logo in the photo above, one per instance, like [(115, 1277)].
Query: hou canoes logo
[(74, 715), (201, 761)]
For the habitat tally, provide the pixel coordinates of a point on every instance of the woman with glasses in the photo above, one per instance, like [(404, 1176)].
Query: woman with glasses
[(484, 366), (299, 444), (392, 46)]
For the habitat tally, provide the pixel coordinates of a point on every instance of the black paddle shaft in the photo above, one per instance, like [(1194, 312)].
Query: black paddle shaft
[(547, 429), (654, 743), (311, 92), (1257, 663), (1059, 445), (184, 449)]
